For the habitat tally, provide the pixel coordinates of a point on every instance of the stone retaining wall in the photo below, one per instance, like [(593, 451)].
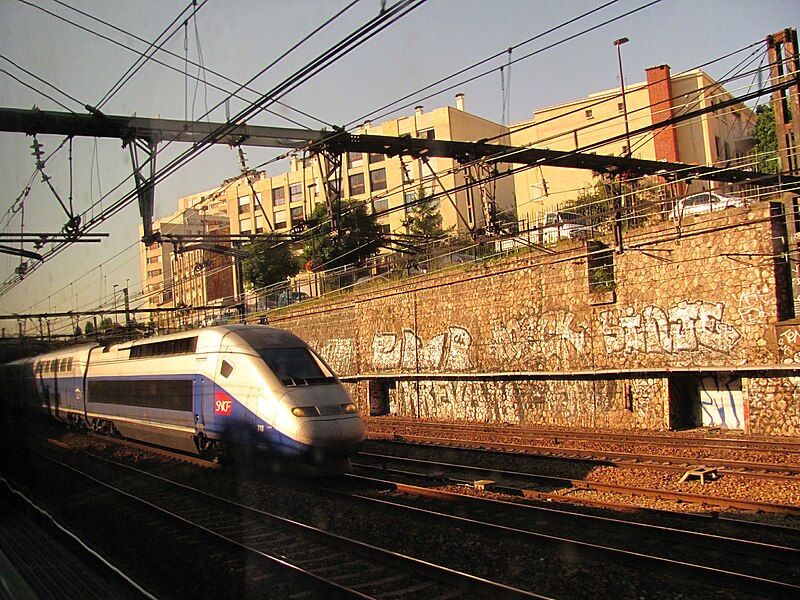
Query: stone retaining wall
[(705, 297)]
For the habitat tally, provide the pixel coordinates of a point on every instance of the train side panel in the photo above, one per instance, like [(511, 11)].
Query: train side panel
[(146, 398)]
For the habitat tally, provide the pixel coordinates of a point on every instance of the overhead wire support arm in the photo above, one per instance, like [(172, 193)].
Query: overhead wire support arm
[(145, 186)]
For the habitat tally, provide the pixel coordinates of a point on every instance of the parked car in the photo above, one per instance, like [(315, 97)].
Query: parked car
[(563, 225), (286, 298), (705, 202)]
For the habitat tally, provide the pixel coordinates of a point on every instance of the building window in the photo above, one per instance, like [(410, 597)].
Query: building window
[(357, 185), (296, 192), (278, 196), (154, 273), (259, 224), (280, 219), (377, 179), (153, 259), (296, 214), (379, 204), (620, 107), (427, 134), (589, 114), (354, 159), (244, 204), (600, 267), (376, 158), (245, 225)]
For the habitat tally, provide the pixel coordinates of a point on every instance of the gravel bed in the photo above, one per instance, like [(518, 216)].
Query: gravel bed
[(726, 486)]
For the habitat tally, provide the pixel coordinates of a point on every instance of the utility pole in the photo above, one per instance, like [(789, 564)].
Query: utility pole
[(127, 306), (784, 68)]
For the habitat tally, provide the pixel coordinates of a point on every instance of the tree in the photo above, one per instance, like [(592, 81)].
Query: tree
[(268, 261), (425, 220), (88, 327), (765, 150), (356, 237)]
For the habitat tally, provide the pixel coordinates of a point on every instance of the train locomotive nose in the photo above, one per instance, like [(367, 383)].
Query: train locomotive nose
[(323, 433)]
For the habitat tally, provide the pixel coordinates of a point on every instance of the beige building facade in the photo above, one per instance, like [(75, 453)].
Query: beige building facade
[(191, 277), (387, 184), (715, 139)]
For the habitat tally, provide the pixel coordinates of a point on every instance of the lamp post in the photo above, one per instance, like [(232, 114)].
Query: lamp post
[(619, 43), (619, 201)]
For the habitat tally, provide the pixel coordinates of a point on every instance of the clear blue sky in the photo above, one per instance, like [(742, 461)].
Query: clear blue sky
[(239, 38)]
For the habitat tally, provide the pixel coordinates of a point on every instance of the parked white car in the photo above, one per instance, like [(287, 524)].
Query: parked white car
[(705, 202), (565, 226)]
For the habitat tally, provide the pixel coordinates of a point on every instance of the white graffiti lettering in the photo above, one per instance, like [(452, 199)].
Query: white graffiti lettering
[(687, 327), (449, 351)]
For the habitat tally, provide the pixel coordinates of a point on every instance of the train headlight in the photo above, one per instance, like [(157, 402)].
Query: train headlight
[(350, 408), (305, 411)]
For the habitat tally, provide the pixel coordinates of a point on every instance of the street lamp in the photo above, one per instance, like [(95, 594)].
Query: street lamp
[(619, 43)]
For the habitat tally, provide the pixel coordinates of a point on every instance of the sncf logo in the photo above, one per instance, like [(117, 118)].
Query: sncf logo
[(222, 404)]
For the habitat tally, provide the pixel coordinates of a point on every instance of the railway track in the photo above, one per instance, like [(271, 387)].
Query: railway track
[(533, 485), (253, 545), (477, 439), (385, 426), (645, 558), (743, 564), (581, 537)]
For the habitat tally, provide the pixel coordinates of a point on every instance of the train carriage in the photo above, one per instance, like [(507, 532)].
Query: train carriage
[(202, 391)]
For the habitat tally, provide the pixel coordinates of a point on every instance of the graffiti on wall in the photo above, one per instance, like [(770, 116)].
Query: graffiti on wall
[(339, 353), (751, 308), (554, 334), (789, 345), (722, 402), (685, 327), (448, 351)]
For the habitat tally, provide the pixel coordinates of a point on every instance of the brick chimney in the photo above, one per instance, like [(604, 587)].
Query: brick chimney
[(659, 88)]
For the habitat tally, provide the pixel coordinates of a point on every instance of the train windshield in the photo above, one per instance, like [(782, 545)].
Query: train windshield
[(295, 366)]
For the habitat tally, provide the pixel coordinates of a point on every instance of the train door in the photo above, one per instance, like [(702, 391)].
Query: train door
[(203, 389)]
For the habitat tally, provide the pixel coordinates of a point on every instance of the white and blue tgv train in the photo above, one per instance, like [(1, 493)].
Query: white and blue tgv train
[(204, 391)]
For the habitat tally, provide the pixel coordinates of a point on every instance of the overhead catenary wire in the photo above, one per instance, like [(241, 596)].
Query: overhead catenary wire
[(396, 11), (355, 39)]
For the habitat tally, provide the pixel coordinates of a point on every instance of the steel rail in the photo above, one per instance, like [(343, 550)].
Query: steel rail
[(583, 484), (791, 445), (779, 471), (776, 552), (739, 581), (435, 573)]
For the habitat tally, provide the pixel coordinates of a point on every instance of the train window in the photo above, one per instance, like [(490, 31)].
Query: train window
[(165, 348), (295, 366), (226, 369)]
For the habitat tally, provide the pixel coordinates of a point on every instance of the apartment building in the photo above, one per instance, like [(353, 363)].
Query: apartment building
[(714, 139), (194, 276), (261, 203), (387, 184)]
